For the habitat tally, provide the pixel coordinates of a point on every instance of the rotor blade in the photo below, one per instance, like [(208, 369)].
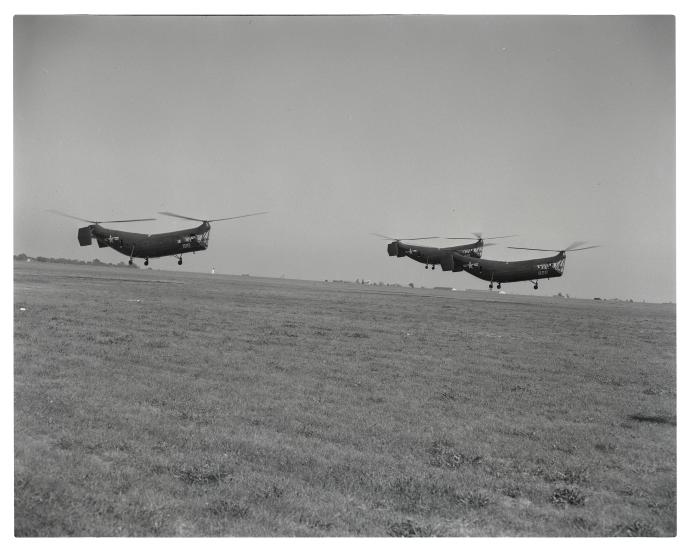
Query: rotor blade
[(123, 221), (395, 239), (575, 244), (236, 217), (482, 245), (537, 249), (480, 237), (472, 244), (568, 249), (179, 216), (584, 248), (501, 237), (102, 221), (69, 216)]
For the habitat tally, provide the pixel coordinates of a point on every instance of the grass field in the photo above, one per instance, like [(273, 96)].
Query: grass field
[(157, 403)]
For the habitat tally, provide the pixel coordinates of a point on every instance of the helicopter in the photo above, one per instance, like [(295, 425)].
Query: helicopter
[(500, 272), (141, 245), (432, 256)]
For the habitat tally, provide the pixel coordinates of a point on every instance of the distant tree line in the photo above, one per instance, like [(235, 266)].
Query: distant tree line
[(372, 283), (95, 261)]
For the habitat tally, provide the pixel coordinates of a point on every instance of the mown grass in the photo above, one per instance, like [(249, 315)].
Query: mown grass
[(218, 406)]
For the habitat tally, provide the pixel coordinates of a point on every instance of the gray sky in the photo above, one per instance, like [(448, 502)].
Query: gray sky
[(557, 128)]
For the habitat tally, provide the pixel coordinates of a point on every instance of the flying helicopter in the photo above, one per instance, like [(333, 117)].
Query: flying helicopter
[(432, 256), (141, 245), (500, 272)]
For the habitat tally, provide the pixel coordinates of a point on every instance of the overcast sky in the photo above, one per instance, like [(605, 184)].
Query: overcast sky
[(556, 128)]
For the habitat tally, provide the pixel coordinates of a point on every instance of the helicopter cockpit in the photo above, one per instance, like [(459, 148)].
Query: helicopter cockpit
[(202, 239), (546, 269)]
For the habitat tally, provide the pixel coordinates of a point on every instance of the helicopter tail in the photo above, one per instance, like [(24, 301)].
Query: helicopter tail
[(393, 249), (84, 236)]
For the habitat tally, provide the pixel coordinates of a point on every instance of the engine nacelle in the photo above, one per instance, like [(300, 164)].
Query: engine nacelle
[(84, 236)]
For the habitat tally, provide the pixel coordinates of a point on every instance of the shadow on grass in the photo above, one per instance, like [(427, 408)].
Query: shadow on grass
[(654, 419)]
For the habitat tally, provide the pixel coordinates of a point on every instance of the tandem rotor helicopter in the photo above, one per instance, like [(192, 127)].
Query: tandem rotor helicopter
[(499, 272), (468, 258), (432, 256), (141, 245)]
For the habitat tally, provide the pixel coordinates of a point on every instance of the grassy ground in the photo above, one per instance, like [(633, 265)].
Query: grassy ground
[(157, 403)]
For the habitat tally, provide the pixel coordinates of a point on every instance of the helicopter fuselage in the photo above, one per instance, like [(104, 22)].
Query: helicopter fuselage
[(512, 272), (141, 245), (430, 255)]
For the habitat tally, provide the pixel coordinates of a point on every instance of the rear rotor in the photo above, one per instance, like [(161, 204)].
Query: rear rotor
[(98, 221), (479, 237), (398, 240), (574, 247)]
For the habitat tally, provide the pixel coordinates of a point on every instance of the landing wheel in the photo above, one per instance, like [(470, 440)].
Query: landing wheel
[(146, 262), (535, 286), (130, 261), (180, 261), (499, 286), (433, 267), (426, 266), (490, 286)]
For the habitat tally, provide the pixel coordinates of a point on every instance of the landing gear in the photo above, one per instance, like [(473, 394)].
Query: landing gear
[(433, 267), (146, 261), (490, 286), (499, 286), (132, 253), (426, 266), (130, 261), (180, 259), (535, 286)]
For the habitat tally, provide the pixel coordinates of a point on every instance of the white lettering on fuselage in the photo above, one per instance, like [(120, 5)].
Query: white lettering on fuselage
[(553, 265), (547, 269)]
